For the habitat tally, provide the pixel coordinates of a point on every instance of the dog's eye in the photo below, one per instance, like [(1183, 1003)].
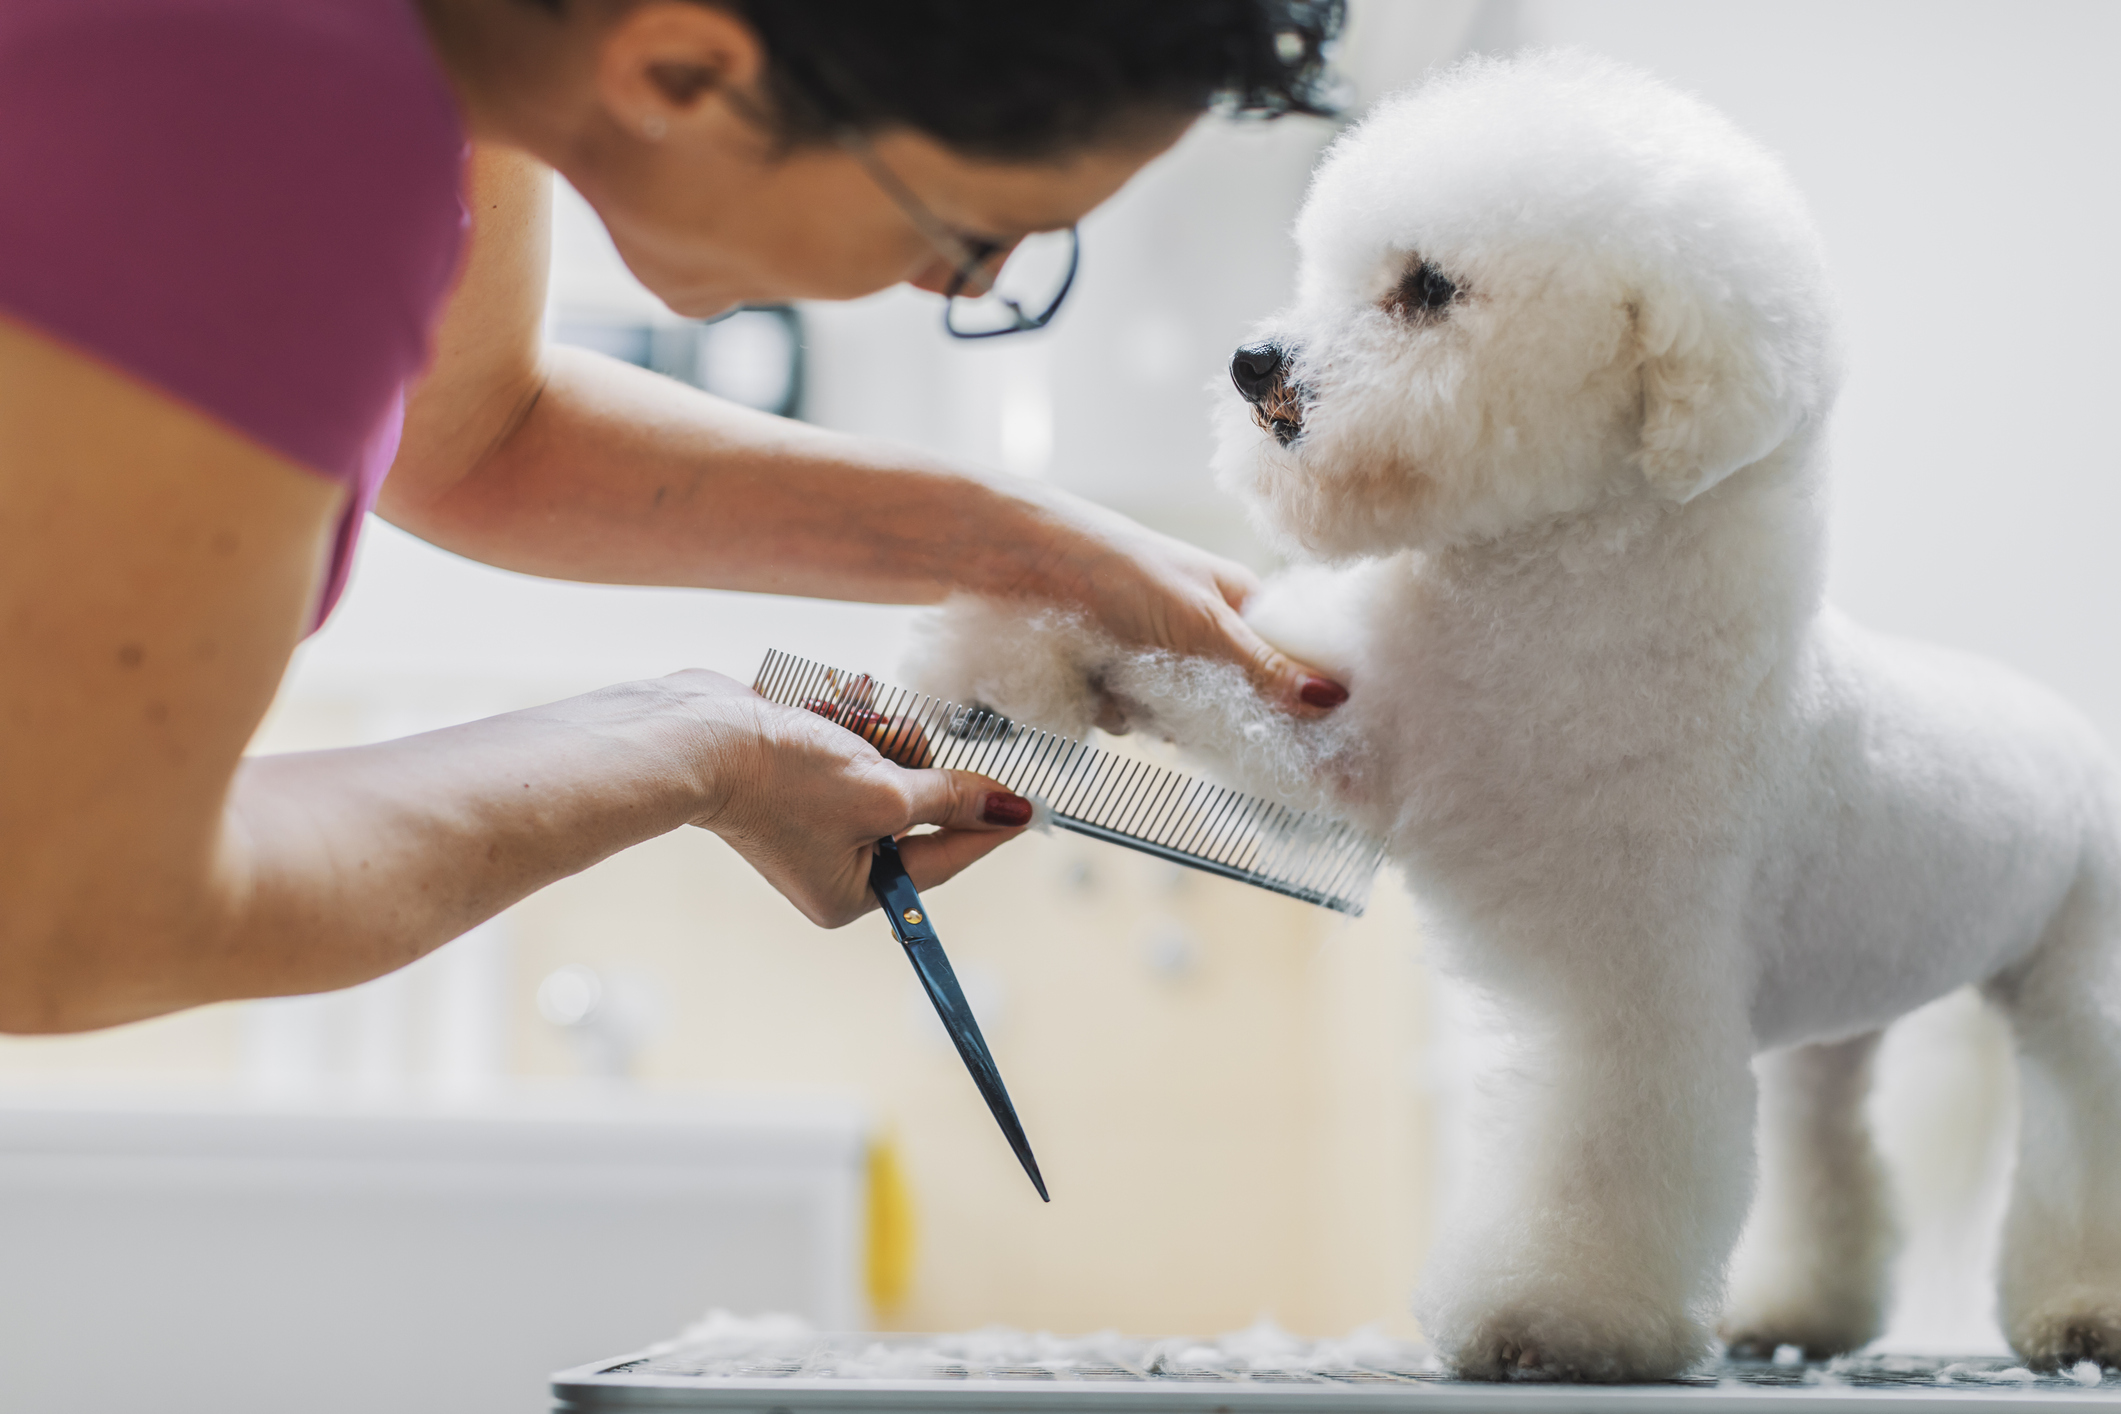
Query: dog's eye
[(1423, 293)]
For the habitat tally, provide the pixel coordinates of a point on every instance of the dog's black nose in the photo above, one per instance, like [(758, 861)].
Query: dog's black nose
[(1253, 370)]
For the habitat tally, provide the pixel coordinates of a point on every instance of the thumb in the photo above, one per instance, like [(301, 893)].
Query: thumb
[(977, 815), (964, 800)]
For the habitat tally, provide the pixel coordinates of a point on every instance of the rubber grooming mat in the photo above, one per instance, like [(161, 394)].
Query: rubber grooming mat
[(949, 1374), (1102, 794)]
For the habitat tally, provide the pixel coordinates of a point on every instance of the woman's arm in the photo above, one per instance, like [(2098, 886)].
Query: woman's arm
[(564, 463), (156, 572)]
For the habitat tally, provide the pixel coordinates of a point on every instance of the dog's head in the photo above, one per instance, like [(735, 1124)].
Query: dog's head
[(1527, 287)]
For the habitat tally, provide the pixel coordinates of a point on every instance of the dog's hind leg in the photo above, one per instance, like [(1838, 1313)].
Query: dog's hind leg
[(2060, 1280), (1814, 1270)]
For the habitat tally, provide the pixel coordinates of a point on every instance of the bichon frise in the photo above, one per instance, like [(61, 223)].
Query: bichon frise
[(1554, 394)]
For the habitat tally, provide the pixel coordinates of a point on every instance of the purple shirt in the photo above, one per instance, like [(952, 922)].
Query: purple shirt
[(252, 205)]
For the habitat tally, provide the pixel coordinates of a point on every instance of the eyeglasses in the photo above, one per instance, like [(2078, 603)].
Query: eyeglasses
[(1035, 273)]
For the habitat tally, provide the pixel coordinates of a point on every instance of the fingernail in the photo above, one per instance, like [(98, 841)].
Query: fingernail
[(1003, 808), (1317, 692)]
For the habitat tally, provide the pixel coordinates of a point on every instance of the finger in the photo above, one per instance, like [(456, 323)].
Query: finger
[(1279, 678), (1236, 584), (900, 739), (937, 858), (965, 800), (897, 739)]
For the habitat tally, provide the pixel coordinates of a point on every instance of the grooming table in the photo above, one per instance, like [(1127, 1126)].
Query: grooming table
[(1109, 1375)]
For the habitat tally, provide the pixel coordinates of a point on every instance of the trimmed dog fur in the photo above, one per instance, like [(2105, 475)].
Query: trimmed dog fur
[(1552, 396)]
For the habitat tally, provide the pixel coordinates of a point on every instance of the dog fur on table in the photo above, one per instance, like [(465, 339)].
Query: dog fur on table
[(1551, 403)]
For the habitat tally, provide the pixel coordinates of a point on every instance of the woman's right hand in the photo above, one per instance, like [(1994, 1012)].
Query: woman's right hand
[(804, 801)]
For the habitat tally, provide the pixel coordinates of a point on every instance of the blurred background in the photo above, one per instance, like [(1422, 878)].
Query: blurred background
[(653, 1088)]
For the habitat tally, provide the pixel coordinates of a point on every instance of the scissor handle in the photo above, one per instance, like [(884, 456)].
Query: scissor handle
[(893, 888)]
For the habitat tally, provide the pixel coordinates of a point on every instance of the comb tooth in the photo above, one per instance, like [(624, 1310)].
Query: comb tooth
[(1143, 809), (1006, 770), (1071, 778), (1045, 761), (1202, 824), (1251, 845), (1280, 844), (1121, 793), (1228, 818), (997, 740), (1172, 813), (1202, 820), (1112, 781), (1155, 806), (1067, 772), (1076, 778), (1023, 753), (1342, 859), (1185, 815), (935, 725)]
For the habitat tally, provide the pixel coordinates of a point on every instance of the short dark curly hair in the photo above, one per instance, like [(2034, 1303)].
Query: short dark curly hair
[(1034, 78)]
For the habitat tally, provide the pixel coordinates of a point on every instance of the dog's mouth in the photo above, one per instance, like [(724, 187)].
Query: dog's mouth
[(1261, 375), (1280, 411)]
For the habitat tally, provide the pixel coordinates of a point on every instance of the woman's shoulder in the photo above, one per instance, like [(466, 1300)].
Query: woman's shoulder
[(316, 68), (253, 204)]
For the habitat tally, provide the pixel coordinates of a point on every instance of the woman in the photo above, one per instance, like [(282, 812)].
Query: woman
[(237, 287)]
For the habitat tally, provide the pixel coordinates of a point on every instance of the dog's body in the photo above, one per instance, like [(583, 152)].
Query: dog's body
[(1563, 389)]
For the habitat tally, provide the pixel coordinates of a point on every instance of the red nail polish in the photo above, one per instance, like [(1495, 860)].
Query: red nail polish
[(1317, 692), (1003, 808)]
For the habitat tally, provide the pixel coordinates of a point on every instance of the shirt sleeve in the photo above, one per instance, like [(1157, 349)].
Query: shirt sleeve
[(252, 205)]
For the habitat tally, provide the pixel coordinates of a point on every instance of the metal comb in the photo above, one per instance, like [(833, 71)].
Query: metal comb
[(1101, 794)]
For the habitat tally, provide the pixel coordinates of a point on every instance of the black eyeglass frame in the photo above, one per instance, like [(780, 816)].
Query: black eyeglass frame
[(968, 258)]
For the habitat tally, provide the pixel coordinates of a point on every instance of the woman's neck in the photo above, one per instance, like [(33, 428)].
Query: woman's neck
[(523, 75)]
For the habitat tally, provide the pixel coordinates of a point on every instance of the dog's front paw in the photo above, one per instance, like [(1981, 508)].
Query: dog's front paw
[(2083, 1323), (1573, 1339)]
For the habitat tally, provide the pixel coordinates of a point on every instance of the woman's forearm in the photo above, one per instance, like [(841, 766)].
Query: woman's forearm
[(617, 475), (360, 860), (608, 473), (334, 867)]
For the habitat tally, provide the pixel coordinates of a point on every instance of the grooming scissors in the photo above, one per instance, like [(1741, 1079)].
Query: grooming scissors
[(910, 924)]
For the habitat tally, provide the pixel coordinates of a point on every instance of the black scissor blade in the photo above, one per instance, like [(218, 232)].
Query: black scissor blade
[(940, 983), (908, 918)]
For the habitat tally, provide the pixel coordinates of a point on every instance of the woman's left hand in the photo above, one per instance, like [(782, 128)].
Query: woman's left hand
[(1152, 591)]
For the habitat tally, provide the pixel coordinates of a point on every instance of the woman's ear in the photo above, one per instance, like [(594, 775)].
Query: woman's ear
[(1717, 393), (661, 65)]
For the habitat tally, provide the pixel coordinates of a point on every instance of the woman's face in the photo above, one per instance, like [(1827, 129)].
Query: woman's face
[(710, 230), (709, 210)]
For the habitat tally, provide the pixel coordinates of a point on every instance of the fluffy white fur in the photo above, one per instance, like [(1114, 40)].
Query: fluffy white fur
[(1668, 808)]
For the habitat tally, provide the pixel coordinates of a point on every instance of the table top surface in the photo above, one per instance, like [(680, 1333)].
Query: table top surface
[(1008, 1371)]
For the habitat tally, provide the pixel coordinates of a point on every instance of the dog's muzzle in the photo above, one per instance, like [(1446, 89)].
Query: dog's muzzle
[(1260, 372)]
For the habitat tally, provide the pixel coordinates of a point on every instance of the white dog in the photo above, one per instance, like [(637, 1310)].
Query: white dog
[(1556, 383)]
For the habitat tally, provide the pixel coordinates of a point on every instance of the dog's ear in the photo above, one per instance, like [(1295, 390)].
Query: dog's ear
[(1714, 394)]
